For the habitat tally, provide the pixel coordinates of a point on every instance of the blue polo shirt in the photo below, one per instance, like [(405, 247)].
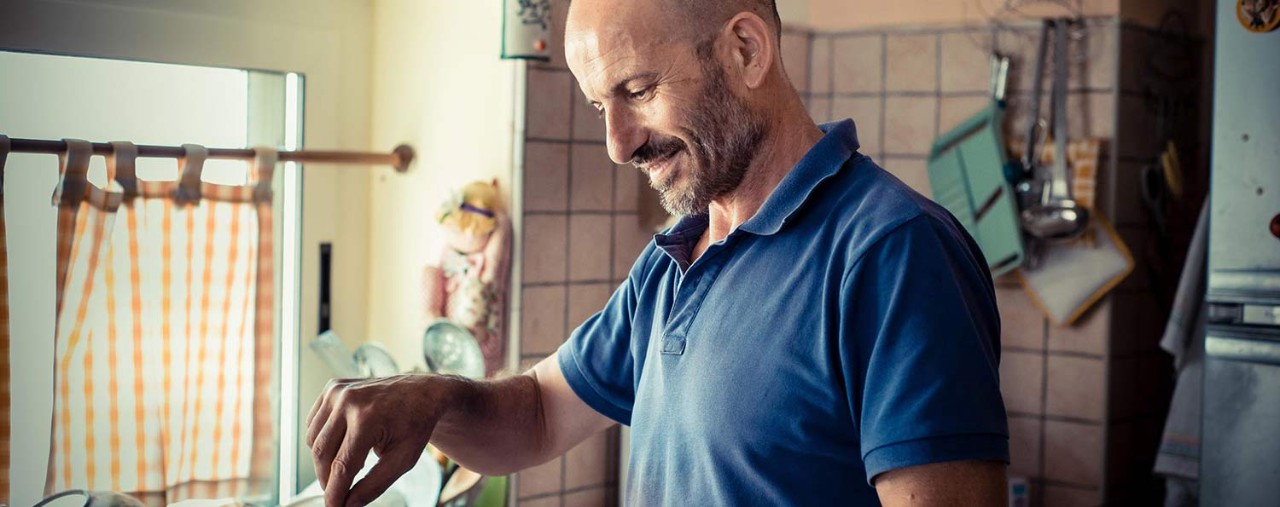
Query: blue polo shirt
[(847, 329)]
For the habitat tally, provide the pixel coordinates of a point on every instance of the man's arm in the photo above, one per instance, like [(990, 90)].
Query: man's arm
[(975, 483), (492, 427)]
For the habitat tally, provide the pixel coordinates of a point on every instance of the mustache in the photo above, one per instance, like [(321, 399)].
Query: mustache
[(656, 149)]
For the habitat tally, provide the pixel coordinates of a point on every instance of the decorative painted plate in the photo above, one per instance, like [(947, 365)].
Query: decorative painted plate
[(1258, 16)]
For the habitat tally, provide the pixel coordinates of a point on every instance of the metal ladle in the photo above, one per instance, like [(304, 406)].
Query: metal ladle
[(1058, 216)]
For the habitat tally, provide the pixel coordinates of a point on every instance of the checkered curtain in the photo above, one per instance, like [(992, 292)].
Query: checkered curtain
[(164, 349), (4, 336)]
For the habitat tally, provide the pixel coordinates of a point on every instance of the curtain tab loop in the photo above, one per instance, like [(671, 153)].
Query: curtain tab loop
[(122, 167), (189, 167), (262, 171), (4, 155), (73, 173)]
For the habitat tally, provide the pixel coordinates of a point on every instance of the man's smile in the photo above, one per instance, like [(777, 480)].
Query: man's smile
[(658, 166)]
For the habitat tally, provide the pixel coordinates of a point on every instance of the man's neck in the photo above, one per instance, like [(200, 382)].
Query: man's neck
[(784, 146)]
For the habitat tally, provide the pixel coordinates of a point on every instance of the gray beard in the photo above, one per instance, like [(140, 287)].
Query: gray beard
[(726, 136)]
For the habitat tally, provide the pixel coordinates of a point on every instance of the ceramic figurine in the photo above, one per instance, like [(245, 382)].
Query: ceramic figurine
[(467, 284)]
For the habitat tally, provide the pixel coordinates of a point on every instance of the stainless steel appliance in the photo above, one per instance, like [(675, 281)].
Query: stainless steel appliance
[(1240, 444)]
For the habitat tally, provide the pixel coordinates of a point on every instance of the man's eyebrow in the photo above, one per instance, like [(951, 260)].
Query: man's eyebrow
[(622, 87)]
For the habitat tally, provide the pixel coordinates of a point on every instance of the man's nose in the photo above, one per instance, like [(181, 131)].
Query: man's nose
[(625, 135)]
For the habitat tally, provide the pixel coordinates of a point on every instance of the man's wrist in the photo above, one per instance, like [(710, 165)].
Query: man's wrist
[(450, 395)]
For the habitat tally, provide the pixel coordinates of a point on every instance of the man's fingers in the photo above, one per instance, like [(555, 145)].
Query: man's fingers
[(389, 468), (318, 420), (320, 409), (343, 469), (328, 442), (315, 408)]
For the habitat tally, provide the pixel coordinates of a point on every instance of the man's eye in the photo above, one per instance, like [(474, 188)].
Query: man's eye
[(642, 93)]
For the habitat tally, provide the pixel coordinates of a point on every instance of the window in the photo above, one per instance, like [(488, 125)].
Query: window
[(50, 97)]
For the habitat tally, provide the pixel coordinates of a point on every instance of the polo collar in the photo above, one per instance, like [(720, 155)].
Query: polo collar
[(823, 160)]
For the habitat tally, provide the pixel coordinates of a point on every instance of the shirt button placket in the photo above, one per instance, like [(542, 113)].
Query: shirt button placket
[(690, 294)]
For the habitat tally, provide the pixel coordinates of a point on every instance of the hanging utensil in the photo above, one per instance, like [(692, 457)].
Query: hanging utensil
[(1025, 186), (967, 167), (999, 77), (1030, 154), (1058, 216), (450, 349)]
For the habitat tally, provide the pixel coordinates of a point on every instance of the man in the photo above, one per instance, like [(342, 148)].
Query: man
[(812, 332)]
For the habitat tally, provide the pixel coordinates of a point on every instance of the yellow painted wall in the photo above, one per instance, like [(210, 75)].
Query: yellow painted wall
[(439, 85)]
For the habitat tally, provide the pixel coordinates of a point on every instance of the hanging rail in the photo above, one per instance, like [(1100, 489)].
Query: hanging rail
[(399, 158)]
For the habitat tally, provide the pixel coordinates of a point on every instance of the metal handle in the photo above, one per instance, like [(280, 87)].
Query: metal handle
[(1059, 188), (999, 76), (1242, 350), (1029, 154)]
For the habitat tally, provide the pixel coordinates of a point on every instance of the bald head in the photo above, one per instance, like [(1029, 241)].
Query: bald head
[(696, 19)]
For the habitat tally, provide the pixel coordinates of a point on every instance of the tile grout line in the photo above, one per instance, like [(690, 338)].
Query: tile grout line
[(1044, 408), (615, 442), (1059, 418), (594, 212), (884, 85), (808, 65), (575, 489), (937, 86), (831, 78), (551, 140), (568, 265)]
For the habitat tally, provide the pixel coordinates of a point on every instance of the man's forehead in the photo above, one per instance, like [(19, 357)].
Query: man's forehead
[(602, 51)]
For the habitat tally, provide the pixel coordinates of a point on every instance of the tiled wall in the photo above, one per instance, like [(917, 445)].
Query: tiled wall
[(581, 233), (1086, 403)]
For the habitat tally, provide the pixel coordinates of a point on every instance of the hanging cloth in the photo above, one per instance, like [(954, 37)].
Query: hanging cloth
[(165, 346), (4, 336)]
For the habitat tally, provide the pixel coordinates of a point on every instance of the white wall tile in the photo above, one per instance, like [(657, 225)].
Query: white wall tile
[(592, 182), (588, 250), (545, 238), (857, 63), (548, 104), (911, 63), (546, 176), (543, 327)]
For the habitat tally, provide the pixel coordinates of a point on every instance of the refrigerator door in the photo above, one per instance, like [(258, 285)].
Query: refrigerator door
[(1244, 261), (1240, 452)]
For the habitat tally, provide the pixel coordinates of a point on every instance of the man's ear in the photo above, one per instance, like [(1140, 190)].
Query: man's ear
[(753, 47)]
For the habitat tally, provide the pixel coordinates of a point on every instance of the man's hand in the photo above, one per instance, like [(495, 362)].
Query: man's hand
[(392, 416), (494, 427)]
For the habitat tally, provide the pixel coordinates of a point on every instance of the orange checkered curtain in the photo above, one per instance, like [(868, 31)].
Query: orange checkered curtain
[(164, 352), (4, 336)]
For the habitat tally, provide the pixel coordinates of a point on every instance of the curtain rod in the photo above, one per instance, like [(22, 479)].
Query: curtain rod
[(399, 158)]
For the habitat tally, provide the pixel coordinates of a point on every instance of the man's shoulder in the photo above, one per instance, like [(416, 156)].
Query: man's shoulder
[(869, 205), (865, 202)]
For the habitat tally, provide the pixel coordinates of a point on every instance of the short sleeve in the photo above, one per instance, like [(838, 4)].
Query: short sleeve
[(920, 349), (598, 360)]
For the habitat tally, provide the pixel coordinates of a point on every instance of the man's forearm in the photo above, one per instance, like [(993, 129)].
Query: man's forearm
[(493, 427)]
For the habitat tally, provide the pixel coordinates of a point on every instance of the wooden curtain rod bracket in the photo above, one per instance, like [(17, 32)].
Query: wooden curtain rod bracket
[(399, 158), (405, 153)]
